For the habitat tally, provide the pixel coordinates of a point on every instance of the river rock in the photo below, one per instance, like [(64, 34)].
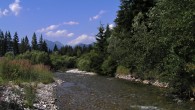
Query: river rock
[(146, 81), (192, 99)]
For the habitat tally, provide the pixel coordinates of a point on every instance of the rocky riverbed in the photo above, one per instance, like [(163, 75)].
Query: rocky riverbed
[(13, 96), (149, 82)]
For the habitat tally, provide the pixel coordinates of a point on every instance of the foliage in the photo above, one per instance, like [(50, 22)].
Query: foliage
[(23, 70), (62, 62), (36, 57), (109, 66), (84, 64), (121, 70), (9, 55), (158, 41), (15, 44), (29, 96), (34, 42), (90, 62)]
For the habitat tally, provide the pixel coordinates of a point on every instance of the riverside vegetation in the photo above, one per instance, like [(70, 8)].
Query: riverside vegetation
[(152, 39)]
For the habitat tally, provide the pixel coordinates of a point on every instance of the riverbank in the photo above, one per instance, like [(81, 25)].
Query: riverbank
[(125, 77), (156, 83), (13, 96)]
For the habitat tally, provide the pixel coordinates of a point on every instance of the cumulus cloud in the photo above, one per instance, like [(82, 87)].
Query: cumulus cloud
[(85, 39), (70, 34), (59, 33), (4, 12), (111, 26), (15, 7), (54, 31), (97, 16), (49, 28), (71, 23)]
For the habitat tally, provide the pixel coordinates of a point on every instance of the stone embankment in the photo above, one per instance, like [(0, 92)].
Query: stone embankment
[(149, 82), (13, 96)]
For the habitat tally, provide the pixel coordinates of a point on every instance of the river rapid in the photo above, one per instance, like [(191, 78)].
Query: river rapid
[(86, 91)]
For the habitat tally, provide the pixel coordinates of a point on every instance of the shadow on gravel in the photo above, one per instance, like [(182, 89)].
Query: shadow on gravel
[(9, 106)]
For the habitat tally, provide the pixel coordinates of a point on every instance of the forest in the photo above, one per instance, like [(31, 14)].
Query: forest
[(152, 39)]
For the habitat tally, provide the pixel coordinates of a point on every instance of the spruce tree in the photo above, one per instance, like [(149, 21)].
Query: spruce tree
[(15, 44), (22, 46), (27, 45), (1, 43), (9, 42), (34, 42), (100, 38), (5, 43), (44, 46), (55, 48), (41, 43)]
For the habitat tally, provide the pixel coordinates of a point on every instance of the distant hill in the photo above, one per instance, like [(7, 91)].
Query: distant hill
[(51, 44)]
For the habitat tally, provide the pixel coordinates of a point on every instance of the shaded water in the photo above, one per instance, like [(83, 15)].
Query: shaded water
[(85, 92)]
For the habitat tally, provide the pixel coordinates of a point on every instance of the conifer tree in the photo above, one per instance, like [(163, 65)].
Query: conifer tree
[(1, 43), (34, 42), (27, 45), (9, 42), (15, 44), (44, 46), (22, 46), (41, 43), (55, 48)]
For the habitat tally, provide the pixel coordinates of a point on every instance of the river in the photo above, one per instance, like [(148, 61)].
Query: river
[(93, 92)]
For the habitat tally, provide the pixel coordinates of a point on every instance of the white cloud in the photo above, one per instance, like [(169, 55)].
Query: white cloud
[(97, 16), (70, 34), (15, 7), (59, 33), (71, 23), (85, 39), (49, 28), (53, 31), (111, 26), (4, 12)]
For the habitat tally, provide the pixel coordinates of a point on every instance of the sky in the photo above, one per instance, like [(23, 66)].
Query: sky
[(70, 22)]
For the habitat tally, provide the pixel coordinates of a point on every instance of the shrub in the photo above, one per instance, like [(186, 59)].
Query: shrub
[(29, 96), (90, 62), (121, 70), (84, 64), (23, 70), (9, 55), (109, 67), (36, 57), (59, 62), (42, 73)]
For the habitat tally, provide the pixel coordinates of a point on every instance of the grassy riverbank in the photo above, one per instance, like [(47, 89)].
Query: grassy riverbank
[(23, 73), (19, 70)]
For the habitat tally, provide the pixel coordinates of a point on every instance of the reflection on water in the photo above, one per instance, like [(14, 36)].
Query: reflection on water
[(85, 92)]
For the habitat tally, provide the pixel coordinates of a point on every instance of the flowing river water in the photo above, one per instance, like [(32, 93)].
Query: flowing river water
[(92, 92)]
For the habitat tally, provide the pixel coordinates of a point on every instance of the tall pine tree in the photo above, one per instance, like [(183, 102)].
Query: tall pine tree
[(9, 42), (41, 43), (26, 41), (1, 43), (44, 46), (34, 42), (15, 44), (55, 48)]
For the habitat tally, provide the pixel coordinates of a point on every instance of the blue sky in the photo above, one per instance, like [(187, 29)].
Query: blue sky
[(68, 21)]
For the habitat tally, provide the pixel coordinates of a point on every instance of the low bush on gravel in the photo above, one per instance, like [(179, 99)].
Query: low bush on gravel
[(23, 71)]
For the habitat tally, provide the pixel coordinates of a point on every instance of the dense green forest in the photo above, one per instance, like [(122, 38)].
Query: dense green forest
[(152, 39)]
